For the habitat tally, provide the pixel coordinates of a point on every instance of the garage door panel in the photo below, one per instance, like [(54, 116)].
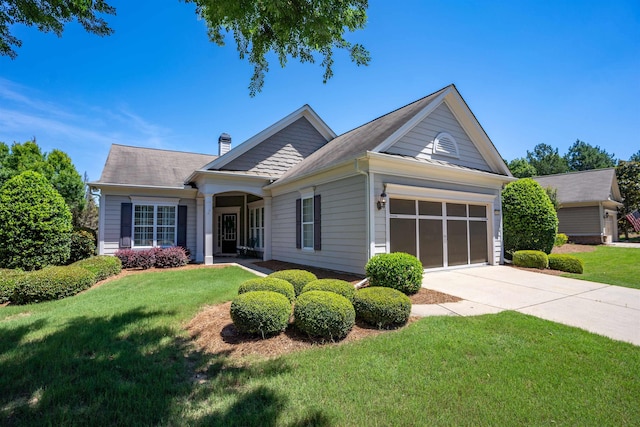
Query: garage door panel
[(457, 248), (478, 242), (403, 231), (431, 243)]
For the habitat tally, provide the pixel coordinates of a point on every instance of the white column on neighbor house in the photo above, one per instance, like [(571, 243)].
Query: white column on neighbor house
[(208, 229), (199, 229), (266, 255), (101, 220)]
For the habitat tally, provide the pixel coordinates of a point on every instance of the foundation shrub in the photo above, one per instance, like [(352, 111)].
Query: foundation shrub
[(83, 245), (263, 313), (52, 283), (171, 257), (8, 280), (103, 266), (323, 314), (298, 278), (137, 258), (531, 259), (337, 286), (382, 307), (273, 284), (396, 270), (567, 263), (561, 239)]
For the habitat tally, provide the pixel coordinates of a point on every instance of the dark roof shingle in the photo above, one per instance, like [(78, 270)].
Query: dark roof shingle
[(585, 186)]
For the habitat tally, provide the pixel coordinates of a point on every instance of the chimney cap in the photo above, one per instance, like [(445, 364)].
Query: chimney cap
[(224, 137)]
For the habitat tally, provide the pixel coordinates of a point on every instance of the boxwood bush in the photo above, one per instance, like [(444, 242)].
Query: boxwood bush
[(567, 263), (268, 284), (561, 239), (260, 312), (531, 259), (298, 278), (323, 314), (51, 283), (382, 307), (340, 287), (8, 280), (102, 266), (396, 270)]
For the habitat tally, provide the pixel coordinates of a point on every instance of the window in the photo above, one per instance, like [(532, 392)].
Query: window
[(154, 225), (256, 226), (307, 223)]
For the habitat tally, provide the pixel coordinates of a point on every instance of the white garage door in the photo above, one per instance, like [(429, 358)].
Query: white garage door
[(440, 234)]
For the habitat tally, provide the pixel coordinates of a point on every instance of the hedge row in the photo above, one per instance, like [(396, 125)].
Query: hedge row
[(539, 259), (52, 283), (154, 257)]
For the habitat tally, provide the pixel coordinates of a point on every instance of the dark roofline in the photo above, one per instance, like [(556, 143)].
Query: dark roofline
[(164, 149), (573, 172)]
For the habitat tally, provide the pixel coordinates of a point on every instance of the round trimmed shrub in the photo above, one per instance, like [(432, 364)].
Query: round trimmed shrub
[(172, 257), (83, 245), (561, 239), (530, 220), (531, 259), (35, 223), (382, 307), (260, 312), (337, 286), (103, 266), (51, 283), (8, 280), (567, 263), (324, 314), (397, 270), (273, 284), (298, 278)]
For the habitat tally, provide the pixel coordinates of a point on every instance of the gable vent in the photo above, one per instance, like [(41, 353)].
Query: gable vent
[(445, 145)]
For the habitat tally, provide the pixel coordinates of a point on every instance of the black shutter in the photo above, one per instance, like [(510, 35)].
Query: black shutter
[(125, 224), (317, 223), (298, 223), (182, 226)]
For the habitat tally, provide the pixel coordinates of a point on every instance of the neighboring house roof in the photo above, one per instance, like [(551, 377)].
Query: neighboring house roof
[(585, 186), (378, 136), (138, 166)]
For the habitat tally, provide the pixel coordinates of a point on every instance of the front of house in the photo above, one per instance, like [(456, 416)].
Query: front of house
[(424, 179)]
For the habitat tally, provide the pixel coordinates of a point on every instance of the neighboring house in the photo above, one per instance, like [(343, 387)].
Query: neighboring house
[(588, 204), (423, 179)]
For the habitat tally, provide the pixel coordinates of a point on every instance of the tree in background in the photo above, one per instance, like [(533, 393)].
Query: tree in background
[(55, 166), (87, 219), (521, 168), (546, 160), (300, 29), (582, 156), (530, 221), (628, 174), (35, 223), (635, 157)]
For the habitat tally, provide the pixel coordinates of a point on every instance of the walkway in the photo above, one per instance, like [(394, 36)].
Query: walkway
[(612, 311)]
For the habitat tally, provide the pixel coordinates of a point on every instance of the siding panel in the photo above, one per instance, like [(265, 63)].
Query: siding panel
[(579, 221)]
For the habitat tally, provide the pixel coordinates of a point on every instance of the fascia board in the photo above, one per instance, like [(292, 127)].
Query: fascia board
[(305, 111)]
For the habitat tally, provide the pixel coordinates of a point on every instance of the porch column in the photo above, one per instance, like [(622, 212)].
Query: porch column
[(199, 229), (266, 255), (208, 229)]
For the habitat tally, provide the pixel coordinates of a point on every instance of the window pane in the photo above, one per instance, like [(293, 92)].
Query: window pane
[(403, 207), (166, 215), (307, 235), (431, 251), (307, 210), (143, 236), (166, 236), (403, 235), (478, 243), (477, 211), (457, 242), (456, 209), (143, 215), (430, 208)]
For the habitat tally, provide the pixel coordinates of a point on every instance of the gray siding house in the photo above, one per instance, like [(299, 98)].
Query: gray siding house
[(424, 179), (589, 202)]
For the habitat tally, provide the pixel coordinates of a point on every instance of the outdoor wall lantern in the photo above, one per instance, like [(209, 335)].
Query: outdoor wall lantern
[(382, 200)]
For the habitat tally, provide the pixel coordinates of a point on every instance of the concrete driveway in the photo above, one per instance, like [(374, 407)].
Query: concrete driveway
[(612, 311)]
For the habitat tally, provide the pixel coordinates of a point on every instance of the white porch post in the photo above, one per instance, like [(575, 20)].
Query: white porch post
[(101, 220), (266, 255), (208, 229), (199, 229)]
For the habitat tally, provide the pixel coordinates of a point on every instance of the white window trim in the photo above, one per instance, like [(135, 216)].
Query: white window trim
[(307, 193), (256, 206), (155, 202)]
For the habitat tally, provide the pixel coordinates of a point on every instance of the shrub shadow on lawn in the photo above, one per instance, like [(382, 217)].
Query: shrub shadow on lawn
[(125, 370)]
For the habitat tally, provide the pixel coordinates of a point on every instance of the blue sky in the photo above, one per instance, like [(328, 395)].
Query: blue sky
[(531, 71)]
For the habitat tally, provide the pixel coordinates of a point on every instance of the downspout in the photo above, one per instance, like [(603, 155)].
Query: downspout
[(368, 212)]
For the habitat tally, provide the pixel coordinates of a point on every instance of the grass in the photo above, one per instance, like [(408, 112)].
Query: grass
[(117, 355), (610, 265)]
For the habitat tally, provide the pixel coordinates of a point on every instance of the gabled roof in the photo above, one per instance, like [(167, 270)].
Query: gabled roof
[(379, 134), (596, 185), (303, 112), (139, 166)]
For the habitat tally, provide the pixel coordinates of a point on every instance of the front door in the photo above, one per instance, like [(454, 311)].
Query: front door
[(227, 232)]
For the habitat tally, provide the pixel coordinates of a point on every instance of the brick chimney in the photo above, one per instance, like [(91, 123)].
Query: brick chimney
[(224, 144)]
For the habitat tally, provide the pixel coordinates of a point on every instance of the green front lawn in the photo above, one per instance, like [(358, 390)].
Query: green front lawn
[(611, 265), (119, 355)]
